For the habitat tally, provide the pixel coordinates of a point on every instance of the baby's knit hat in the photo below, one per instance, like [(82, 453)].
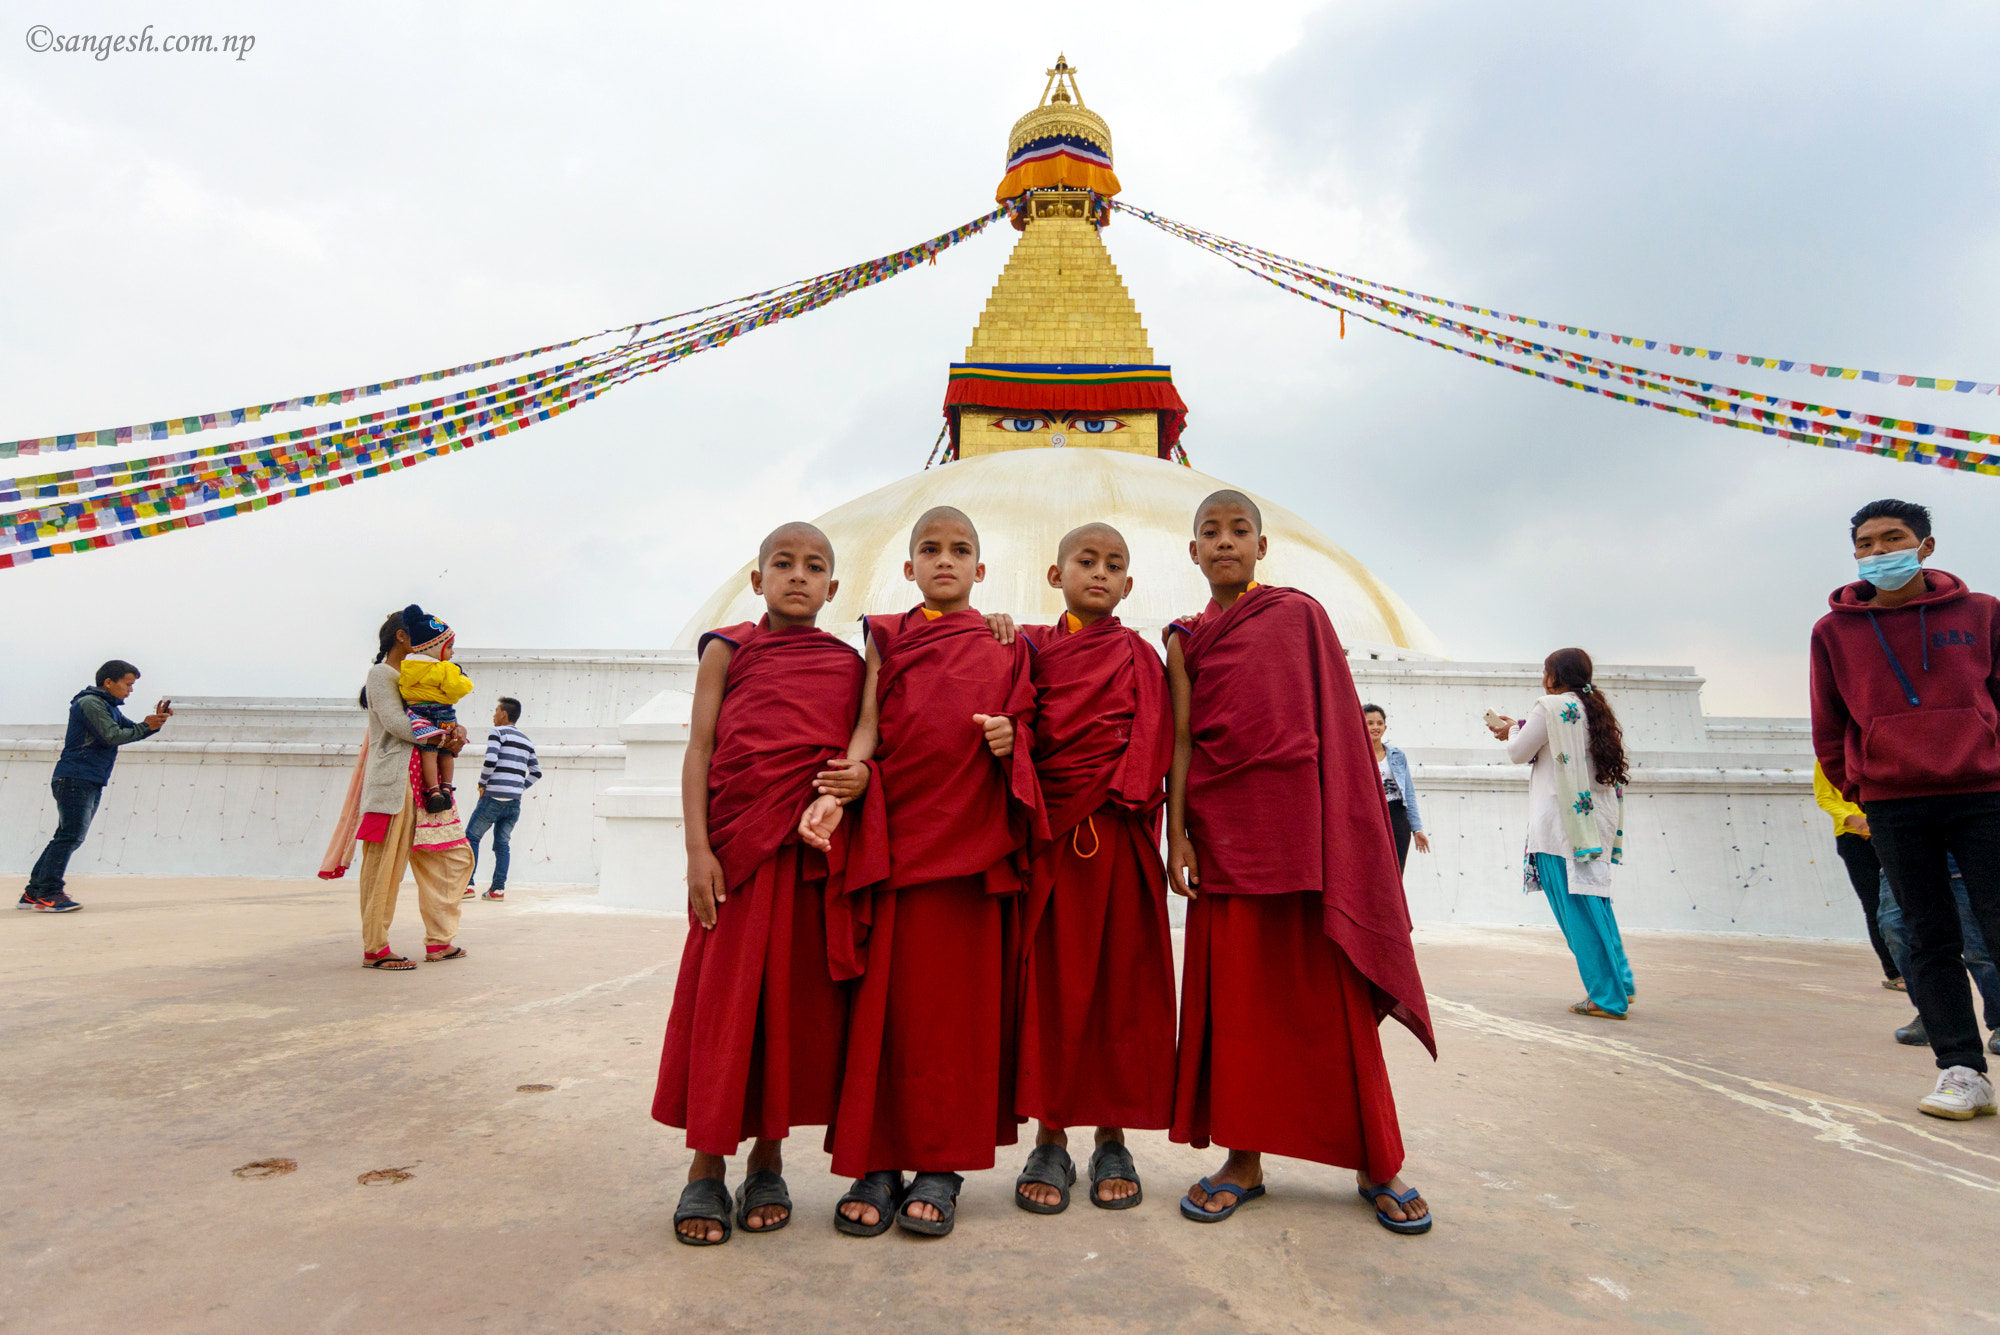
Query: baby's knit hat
[(426, 632)]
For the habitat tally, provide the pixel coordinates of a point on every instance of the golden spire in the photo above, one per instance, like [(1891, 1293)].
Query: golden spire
[(1061, 144), (1054, 90)]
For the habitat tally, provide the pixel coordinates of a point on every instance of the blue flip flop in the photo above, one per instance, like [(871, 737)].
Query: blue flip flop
[(1373, 1196), (1200, 1216)]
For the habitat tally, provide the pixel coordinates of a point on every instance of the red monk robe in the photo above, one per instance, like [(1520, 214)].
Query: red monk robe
[(1097, 983), (930, 1045), (754, 1041), (1299, 941)]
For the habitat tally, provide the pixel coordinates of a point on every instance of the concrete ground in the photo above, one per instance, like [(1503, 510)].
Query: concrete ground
[(1745, 1153)]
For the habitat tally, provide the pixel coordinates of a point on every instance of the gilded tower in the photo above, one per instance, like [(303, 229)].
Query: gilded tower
[(1059, 416), (1060, 357)]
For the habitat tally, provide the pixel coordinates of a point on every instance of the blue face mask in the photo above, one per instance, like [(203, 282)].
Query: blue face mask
[(1891, 570)]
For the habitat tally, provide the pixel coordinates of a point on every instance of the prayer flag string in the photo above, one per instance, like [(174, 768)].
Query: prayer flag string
[(1948, 384), (1715, 409), (233, 417), (175, 492), (1803, 431), (1578, 360)]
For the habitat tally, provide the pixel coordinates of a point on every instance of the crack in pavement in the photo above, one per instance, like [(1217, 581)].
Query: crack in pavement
[(1816, 1112)]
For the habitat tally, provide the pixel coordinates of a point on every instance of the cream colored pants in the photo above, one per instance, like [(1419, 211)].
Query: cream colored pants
[(441, 881)]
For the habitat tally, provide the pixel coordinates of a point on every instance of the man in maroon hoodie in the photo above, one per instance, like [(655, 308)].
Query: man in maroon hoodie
[(1905, 679)]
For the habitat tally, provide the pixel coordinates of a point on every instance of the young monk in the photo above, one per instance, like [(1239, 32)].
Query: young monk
[(1097, 982), (753, 1044), (944, 722), (1298, 940)]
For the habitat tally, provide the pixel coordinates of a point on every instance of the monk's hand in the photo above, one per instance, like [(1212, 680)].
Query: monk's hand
[(1421, 840), (1857, 825), (843, 779), (707, 886), (816, 827), (1183, 871), (1002, 626), (999, 730)]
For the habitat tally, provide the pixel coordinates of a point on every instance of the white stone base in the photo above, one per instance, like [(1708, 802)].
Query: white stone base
[(1721, 831)]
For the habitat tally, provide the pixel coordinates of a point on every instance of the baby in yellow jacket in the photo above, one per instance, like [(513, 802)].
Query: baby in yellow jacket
[(430, 687)]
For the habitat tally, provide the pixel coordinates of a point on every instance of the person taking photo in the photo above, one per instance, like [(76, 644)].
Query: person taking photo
[(97, 728)]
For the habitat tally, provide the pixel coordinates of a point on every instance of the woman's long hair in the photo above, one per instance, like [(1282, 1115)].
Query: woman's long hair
[(1571, 670), (387, 637)]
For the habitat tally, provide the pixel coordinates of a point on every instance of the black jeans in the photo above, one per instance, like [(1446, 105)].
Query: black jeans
[(76, 804), (1864, 871), (1912, 837), (1399, 825)]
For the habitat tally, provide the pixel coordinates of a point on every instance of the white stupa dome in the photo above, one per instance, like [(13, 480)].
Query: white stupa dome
[(1023, 501)]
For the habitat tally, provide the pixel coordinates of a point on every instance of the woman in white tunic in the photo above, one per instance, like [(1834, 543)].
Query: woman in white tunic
[(1576, 801)]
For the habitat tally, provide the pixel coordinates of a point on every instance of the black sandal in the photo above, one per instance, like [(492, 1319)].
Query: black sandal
[(1048, 1166), (882, 1190), (762, 1190), (707, 1199), (934, 1189), (436, 799), (1113, 1163)]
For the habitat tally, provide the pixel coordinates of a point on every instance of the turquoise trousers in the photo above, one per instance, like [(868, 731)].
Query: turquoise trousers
[(1591, 929)]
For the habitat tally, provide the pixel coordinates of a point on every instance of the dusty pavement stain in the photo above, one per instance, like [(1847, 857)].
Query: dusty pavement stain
[(267, 1168), (390, 1175)]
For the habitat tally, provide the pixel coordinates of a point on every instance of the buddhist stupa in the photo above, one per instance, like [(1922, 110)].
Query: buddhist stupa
[(1059, 415)]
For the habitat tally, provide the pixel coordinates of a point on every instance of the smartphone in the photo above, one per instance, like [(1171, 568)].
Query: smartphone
[(1493, 719)]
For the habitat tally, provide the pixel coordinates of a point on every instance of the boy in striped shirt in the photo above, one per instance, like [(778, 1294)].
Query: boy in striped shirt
[(511, 766)]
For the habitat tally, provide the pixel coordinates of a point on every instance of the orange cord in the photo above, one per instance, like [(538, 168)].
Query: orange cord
[(1095, 842)]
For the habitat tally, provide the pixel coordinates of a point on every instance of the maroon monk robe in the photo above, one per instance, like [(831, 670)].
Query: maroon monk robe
[(1097, 983), (930, 1061), (1280, 1048), (753, 1044)]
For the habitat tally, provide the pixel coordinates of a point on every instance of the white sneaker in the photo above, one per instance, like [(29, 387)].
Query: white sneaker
[(1961, 1095)]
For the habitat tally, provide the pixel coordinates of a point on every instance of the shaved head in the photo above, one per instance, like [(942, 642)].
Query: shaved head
[(942, 514), (1229, 500), (1103, 535), (798, 533)]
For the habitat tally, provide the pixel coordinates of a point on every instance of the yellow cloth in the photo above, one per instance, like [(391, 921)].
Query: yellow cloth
[(423, 681), (929, 615), (1832, 803), (1043, 173), (1072, 622)]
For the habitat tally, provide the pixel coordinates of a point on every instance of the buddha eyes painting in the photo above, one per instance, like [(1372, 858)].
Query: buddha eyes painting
[(1090, 426)]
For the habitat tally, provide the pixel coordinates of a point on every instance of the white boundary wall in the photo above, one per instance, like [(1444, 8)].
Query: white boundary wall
[(239, 786), (1721, 830)]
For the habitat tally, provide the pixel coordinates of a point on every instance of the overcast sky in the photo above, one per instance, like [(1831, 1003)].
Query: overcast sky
[(396, 188)]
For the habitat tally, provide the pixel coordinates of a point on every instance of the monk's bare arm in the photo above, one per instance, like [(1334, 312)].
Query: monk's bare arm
[(1183, 873), (845, 780), (867, 727), (707, 886), (848, 779)]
